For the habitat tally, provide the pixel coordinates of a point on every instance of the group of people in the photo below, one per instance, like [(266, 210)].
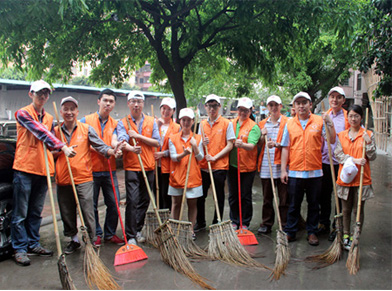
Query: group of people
[(232, 148)]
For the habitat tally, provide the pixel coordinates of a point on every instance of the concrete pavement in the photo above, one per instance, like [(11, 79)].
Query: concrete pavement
[(375, 255)]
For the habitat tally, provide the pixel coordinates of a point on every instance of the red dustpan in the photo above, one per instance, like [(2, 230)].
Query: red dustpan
[(127, 253), (245, 237)]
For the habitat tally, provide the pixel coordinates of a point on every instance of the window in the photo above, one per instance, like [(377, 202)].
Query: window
[(141, 81), (345, 82), (359, 82)]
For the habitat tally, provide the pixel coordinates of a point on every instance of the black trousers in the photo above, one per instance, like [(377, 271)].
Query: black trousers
[(219, 177), (163, 182)]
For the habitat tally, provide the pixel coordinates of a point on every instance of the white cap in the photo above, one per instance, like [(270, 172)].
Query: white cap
[(39, 85), (337, 89), (212, 97), (245, 102), (274, 98), (169, 102), (302, 94), (69, 99), (349, 171), (136, 95), (186, 112)]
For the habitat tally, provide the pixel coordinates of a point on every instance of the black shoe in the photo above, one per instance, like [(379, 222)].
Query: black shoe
[(332, 235), (22, 259), (39, 251), (322, 229), (199, 227), (264, 230), (72, 247)]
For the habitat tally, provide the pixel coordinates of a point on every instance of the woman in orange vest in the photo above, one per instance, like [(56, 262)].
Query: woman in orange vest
[(350, 146), (181, 144), (166, 127)]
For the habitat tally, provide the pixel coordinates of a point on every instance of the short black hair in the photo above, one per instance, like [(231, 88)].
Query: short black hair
[(356, 108), (107, 92)]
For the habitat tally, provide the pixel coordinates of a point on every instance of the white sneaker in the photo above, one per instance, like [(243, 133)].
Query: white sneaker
[(140, 238), (132, 241)]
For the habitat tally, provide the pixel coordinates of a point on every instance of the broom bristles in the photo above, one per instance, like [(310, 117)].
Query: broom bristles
[(282, 255), (352, 263), (65, 278), (225, 246), (151, 224), (173, 255)]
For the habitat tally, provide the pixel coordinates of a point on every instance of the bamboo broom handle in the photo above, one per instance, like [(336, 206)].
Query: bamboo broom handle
[(56, 230), (145, 179), (362, 170), (69, 169), (156, 166), (331, 164), (211, 178), (273, 183)]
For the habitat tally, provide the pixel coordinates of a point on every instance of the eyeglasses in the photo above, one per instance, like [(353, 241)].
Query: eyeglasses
[(136, 101), (244, 110), (41, 93), (213, 106)]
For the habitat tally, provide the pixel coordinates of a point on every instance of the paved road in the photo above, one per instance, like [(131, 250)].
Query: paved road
[(375, 256)]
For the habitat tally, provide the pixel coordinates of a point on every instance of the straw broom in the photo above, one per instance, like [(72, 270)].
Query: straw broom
[(334, 252), (65, 277), (96, 273), (223, 243), (282, 245), (171, 251), (352, 263), (185, 228)]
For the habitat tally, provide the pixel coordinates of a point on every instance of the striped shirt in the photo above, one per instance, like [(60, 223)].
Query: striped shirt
[(272, 130)]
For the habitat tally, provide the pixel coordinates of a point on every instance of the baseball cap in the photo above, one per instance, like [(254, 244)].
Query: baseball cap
[(274, 98), (349, 171), (39, 85), (169, 102), (136, 95), (302, 94), (212, 97), (337, 89), (69, 99), (186, 112), (245, 102)]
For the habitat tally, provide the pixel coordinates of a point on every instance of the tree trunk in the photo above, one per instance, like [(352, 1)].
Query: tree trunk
[(176, 80)]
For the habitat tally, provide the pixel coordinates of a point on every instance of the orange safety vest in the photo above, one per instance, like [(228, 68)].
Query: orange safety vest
[(217, 136), (131, 162), (100, 163), (305, 145), (248, 159), (354, 149), (81, 165), (165, 161), (278, 151), (346, 123), (178, 169), (29, 153)]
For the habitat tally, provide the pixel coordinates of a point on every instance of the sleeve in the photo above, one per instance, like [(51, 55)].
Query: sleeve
[(155, 133), (371, 150), (121, 132), (173, 151), (285, 138), (254, 135), (200, 156), (97, 143), (230, 135), (340, 156)]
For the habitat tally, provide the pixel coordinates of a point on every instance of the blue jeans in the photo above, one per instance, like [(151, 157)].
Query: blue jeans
[(111, 218), (296, 189), (28, 202)]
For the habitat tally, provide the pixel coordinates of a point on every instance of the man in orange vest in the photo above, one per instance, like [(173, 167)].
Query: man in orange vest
[(144, 131), (81, 136), (34, 127), (219, 138), (302, 141), (106, 127), (336, 99), (272, 127)]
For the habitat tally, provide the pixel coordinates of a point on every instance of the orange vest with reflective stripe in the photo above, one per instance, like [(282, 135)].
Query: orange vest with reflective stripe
[(81, 165), (217, 136), (100, 163), (305, 145), (178, 169), (131, 162), (278, 151), (248, 159), (29, 153), (346, 124), (165, 161), (354, 149)]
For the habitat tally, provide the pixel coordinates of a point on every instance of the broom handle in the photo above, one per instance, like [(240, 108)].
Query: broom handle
[(56, 230), (156, 166), (187, 177), (145, 179), (117, 202), (273, 184), (69, 169), (211, 178), (331, 164), (362, 170), (239, 186)]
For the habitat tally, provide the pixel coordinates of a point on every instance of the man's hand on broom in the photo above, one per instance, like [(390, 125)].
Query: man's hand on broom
[(69, 151)]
